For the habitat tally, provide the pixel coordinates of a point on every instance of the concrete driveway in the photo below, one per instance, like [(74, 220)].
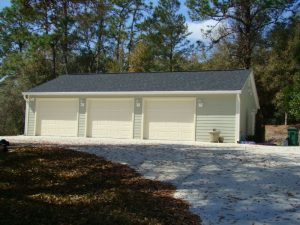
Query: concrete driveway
[(225, 184)]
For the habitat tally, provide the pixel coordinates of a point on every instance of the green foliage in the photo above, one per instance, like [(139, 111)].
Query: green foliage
[(140, 59), (166, 34), (40, 40), (223, 58), (277, 69), (293, 99), (244, 21)]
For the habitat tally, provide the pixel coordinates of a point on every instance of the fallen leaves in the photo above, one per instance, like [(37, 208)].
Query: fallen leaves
[(47, 185)]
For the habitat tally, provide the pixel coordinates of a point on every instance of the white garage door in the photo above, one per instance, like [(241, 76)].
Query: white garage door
[(110, 118), (169, 119), (57, 117)]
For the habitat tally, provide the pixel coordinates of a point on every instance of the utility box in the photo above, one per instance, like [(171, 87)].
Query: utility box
[(214, 136), (293, 133)]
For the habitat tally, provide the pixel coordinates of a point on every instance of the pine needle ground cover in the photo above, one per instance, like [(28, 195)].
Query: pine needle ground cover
[(48, 185)]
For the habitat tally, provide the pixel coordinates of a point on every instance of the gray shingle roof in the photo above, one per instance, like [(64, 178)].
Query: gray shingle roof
[(229, 80)]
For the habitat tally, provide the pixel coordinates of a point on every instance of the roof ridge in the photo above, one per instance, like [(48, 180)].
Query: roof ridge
[(157, 72)]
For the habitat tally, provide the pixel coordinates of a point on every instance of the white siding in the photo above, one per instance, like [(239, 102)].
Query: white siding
[(138, 117), (217, 112), (31, 118), (248, 107), (82, 118)]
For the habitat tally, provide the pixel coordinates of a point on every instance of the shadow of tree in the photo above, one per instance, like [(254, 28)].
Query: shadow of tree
[(46, 185)]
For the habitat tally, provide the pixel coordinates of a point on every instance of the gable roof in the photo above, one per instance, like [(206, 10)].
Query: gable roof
[(218, 80)]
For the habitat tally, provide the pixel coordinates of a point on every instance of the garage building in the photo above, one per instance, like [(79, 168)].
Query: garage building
[(182, 106)]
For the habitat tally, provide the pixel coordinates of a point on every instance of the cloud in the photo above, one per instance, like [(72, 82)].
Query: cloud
[(198, 30)]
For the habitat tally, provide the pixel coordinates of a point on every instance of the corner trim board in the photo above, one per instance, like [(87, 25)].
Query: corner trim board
[(237, 117)]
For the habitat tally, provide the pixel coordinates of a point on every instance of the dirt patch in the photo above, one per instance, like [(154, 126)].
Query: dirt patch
[(278, 133)]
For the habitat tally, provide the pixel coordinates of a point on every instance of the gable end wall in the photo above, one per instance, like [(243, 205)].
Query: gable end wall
[(248, 110)]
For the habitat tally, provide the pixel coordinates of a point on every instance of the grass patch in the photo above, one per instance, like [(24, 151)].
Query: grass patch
[(47, 185)]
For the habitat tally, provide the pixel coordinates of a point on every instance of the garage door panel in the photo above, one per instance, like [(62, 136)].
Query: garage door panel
[(169, 119), (110, 118), (57, 118)]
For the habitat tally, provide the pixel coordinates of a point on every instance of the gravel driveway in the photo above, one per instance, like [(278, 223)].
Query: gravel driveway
[(225, 184)]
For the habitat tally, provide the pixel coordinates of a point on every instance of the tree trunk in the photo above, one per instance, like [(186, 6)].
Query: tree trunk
[(131, 35), (245, 33), (65, 35), (53, 60), (101, 10), (285, 118)]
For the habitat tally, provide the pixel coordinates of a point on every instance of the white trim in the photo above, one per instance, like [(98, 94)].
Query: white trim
[(35, 117), (169, 98), (78, 109), (237, 117), (143, 118), (195, 117), (87, 105), (26, 118), (254, 90), (108, 99), (130, 93), (253, 115), (133, 120), (56, 99)]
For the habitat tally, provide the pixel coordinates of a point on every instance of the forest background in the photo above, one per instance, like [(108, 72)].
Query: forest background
[(42, 39)]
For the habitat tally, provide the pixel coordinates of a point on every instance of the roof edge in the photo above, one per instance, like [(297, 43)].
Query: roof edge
[(131, 93)]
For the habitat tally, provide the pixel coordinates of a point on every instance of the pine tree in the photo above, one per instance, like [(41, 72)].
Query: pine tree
[(166, 33)]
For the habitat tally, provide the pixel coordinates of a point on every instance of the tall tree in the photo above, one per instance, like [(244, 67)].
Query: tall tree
[(246, 20), (126, 16), (166, 33), (138, 10), (278, 67), (140, 58), (14, 30), (92, 19)]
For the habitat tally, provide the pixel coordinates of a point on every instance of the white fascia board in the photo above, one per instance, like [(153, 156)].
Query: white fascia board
[(131, 93), (254, 90), (237, 117)]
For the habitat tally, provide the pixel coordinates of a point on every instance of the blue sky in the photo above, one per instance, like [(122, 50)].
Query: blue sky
[(194, 27), (4, 3)]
